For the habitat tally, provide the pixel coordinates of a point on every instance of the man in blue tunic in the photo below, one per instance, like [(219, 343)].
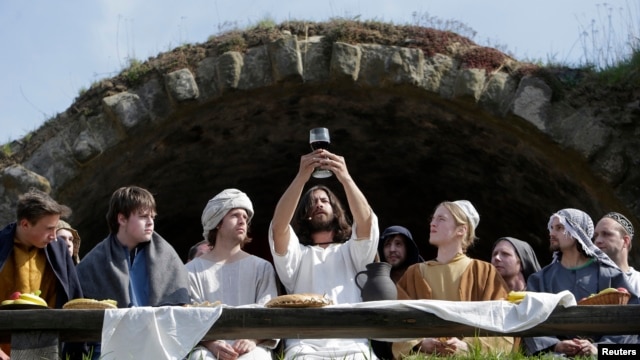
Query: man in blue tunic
[(583, 269), (134, 265)]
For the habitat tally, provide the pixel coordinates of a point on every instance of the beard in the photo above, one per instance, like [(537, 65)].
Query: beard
[(554, 247), (316, 225)]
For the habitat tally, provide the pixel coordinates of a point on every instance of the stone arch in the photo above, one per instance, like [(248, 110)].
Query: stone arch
[(415, 129)]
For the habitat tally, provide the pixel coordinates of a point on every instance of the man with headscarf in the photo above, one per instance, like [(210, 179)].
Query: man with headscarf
[(515, 260), (325, 252), (583, 269), (614, 236), (230, 275)]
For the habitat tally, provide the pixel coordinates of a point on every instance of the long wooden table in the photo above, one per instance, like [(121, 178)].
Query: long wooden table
[(39, 331)]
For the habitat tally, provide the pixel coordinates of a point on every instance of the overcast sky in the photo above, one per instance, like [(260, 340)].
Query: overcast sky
[(52, 49)]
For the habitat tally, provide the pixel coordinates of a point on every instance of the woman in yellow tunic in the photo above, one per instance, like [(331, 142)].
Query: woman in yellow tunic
[(452, 276)]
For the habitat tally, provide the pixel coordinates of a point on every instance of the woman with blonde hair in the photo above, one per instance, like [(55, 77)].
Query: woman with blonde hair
[(452, 276)]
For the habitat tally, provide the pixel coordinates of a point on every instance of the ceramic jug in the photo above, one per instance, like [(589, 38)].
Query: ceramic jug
[(378, 285)]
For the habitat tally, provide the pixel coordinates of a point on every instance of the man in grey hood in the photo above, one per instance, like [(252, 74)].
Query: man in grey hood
[(515, 260)]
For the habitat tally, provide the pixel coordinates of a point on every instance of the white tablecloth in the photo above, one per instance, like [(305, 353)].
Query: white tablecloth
[(155, 333), (498, 315), (171, 332)]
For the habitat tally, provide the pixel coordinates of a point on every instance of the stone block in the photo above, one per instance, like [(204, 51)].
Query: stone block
[(228, 67), (126, 108), (390, 65), (54, 160), (85, 148), (286, 63), (16, 179), (435, 69), (580, 131), (532, 101), (315, 61), (155, 99), (181, 85), (206, 77), (256, 69), (345, 62), (470, 83), (498, 93)]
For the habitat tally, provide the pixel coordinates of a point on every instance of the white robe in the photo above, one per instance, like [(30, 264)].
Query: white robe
[(633, 278), (330, 271), (231, 284)]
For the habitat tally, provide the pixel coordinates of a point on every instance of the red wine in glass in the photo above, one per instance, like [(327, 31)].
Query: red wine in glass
[(320, 145), (319, 139)]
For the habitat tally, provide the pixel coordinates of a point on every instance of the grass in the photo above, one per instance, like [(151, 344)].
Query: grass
[(611, 38), (475, 353), (626, 72), (136, 71)]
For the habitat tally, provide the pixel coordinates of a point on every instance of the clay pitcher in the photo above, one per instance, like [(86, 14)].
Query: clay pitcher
[(378, 285)]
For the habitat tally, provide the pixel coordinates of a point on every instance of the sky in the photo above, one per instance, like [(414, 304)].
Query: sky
[(50, 50)]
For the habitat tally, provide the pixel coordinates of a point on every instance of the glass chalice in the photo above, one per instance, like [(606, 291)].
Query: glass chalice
[(319, 139)]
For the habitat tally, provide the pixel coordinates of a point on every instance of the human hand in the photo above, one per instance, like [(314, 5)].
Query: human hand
[(575, 347), (244, 346), (456, 345), (335, 163), (586, 347), (435, 346), (308, 163), (221, 350), (4, 356)]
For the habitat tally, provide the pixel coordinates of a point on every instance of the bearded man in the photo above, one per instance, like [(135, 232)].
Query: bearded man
[(325, 252), (581, 268)]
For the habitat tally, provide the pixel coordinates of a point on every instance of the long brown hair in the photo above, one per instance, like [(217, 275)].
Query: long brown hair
[(213, 234), (341, 224)]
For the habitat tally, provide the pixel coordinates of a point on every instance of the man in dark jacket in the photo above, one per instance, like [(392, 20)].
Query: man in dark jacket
[(31, 259), (396, 247)]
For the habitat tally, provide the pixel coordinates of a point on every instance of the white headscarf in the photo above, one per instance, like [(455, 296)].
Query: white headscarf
[(580, 226), (221, 204)]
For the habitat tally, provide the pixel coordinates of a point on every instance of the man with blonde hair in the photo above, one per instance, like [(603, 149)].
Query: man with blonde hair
[(452, 276)]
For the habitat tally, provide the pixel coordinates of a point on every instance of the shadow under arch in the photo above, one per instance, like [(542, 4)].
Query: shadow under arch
[(406, 149)]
